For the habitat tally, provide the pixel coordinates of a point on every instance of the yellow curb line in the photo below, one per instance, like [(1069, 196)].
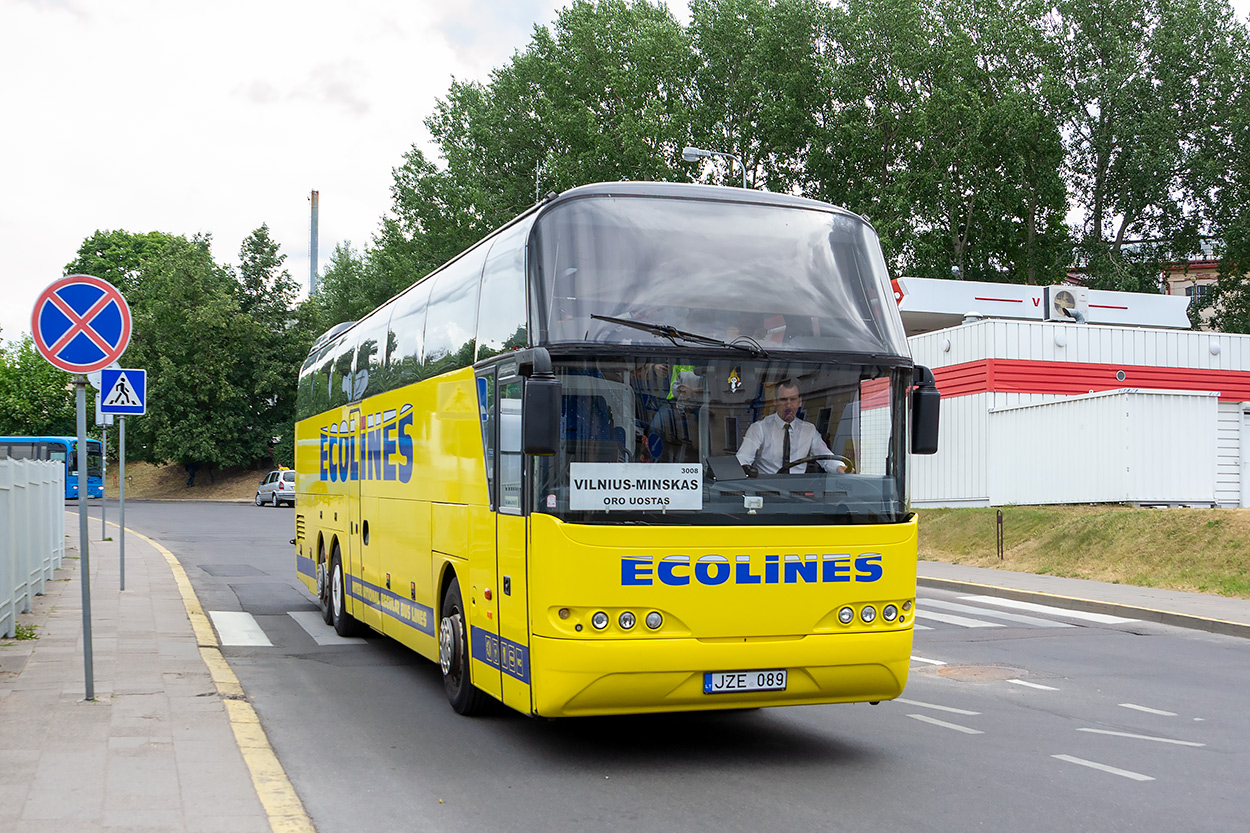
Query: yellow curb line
[(283, 808)]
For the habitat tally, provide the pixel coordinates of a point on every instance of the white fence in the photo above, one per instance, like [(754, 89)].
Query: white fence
[(32, 533)]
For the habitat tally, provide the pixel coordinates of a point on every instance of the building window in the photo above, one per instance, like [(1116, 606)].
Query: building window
[(1200, 295)]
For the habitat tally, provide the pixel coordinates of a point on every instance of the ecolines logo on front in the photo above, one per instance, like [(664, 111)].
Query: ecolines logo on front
[(711, 570), (378, 447)]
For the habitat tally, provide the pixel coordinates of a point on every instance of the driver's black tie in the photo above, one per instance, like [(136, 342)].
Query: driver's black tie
[(785, 449)]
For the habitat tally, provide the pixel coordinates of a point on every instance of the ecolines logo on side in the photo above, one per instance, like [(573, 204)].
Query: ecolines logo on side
[(711, 570), (379, 448)]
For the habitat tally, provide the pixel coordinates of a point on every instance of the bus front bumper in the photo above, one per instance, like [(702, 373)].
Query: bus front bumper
[(623, 676)]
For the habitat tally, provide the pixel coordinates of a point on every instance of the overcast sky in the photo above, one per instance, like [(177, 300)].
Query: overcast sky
[(151, 115)]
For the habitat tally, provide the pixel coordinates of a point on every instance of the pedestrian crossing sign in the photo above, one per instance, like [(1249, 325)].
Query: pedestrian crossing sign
[(123, 391)]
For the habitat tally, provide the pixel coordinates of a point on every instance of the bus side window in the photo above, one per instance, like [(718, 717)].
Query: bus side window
[(501, 308), (406, 336), (341, 373), (451, 327)]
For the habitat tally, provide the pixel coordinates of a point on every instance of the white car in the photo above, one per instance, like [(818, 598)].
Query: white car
[(278, 487)]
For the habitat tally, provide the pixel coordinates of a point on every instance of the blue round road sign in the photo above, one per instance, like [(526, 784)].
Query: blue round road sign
[(81, 324)]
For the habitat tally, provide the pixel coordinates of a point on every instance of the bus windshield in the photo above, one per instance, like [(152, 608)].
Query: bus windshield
[(786, 278), (679, 439)]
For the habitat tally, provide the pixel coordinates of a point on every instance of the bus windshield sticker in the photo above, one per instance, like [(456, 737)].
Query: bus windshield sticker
[(617, 486)]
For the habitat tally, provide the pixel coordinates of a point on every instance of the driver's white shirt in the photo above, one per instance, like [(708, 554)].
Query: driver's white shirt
[(763, 442)]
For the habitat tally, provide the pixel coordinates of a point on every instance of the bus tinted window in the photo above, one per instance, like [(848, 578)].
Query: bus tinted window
[(449, 329), (406, 335), (341, 381), (790, 278), (501, 312), (370, 376)]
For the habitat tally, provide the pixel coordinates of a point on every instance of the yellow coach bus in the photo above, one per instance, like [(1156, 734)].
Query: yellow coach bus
[(642, 449)]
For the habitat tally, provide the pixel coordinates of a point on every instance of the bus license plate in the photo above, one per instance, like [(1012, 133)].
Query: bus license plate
[(728, 682)]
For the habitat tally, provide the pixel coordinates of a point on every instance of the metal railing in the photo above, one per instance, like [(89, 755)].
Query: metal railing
[(32, 533)]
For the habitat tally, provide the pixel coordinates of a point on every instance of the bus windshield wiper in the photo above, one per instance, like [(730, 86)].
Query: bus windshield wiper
[(747, 344)]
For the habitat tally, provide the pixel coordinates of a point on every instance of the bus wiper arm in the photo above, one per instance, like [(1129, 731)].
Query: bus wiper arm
[(673, 334)]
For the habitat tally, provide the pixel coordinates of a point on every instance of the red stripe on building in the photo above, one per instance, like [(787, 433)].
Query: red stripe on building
[(1071, 378)]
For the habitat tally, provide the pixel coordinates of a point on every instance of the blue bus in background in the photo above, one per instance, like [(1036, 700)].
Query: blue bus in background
[(65, 451)]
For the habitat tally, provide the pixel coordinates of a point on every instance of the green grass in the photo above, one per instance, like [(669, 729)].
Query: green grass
[(1204, 550)]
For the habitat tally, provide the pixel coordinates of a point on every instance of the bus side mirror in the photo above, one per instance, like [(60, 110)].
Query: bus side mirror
[(540, 416), (925, 402)]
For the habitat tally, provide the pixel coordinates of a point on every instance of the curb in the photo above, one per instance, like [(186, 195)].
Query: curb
[(282, 806), (1163, 617)]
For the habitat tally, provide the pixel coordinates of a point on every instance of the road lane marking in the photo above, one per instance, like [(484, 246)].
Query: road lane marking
[(961, 621), (1100, 618), (1037, 686), (927, 661), (920, 627), (236, 627), (316, 627), (950, 709), (924, 718), (1141, 737), (1147, 709), (1123, 773), (996, 614)]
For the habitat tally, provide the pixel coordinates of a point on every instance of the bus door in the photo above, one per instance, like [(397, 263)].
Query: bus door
[(505, 460), (363, 560)]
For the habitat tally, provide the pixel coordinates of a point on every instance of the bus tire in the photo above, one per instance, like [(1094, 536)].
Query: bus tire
[(453, 656), (323, 588), (344, 623)]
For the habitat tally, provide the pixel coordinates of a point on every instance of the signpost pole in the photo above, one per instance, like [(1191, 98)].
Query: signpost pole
[(121, 485), (84, 564), (104, 449)]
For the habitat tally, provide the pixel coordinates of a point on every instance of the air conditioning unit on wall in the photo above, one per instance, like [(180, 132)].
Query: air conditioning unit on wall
[(1067, 303)]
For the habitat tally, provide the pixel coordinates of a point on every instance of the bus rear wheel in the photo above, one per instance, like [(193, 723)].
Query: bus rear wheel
[(453, 656), (344, 623), (323, 588)]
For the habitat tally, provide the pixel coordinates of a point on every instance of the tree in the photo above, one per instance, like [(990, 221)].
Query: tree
[(603, 95), (1142, 82), (271, 362), (190, 333), (938, 127), (757, 84), (36, 398)]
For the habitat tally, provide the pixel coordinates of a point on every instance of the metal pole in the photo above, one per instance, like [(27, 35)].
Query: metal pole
[(121, 493), (104, 448), (80, 385)]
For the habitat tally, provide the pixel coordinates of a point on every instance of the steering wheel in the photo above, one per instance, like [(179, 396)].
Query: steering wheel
[(813, 458)]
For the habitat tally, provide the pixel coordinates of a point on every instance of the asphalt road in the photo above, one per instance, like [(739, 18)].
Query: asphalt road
[(1041, 722)]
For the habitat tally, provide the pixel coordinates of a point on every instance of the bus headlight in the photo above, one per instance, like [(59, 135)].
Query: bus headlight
[(890, 612), (626, 621), (845, 615), (599, 620), (868, 613), (654, 620)]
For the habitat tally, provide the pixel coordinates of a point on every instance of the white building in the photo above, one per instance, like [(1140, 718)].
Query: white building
[(1117, 401)]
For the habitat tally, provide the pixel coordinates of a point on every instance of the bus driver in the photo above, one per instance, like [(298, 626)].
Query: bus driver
[(781, 438)]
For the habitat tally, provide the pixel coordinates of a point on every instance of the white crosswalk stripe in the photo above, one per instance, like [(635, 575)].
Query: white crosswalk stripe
[(235, 627), (1085, 616), (977, 611), (1035, 621), (951, 619)]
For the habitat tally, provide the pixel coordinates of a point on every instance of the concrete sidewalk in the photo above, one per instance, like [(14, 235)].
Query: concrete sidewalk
[(168, 744), (1216, 614)]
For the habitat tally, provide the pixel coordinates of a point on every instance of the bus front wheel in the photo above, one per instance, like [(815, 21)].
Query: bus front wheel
[(344, 623), (453, 656)]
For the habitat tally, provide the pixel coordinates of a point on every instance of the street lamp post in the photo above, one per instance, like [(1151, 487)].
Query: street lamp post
[(692, 154)]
